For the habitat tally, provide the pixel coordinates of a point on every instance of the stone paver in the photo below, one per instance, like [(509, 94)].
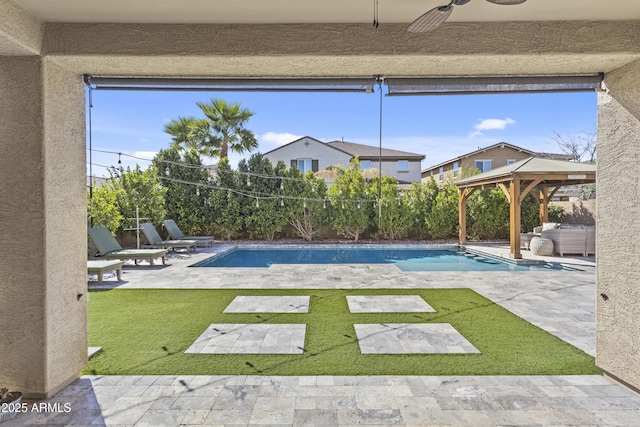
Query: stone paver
[(234, 338), (332, 401), (268, 304), (409, 338), (388, 304), (563, 303)]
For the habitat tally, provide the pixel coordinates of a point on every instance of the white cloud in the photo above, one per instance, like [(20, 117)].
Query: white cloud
[(279, 138), (491, 124), (145, 154)]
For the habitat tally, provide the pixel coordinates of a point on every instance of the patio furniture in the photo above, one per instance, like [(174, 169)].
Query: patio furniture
[(541, 246), (177, 234), (155, 241), (101, 267), (525, 239), (109, 247), (571, 240)]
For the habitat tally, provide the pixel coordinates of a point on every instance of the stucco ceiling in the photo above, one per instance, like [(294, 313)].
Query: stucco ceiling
[(319, 11)]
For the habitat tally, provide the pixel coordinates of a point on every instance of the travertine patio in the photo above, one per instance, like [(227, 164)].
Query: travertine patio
[(562, 303)]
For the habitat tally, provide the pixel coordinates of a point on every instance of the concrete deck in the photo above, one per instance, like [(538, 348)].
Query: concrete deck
[(560, 302)]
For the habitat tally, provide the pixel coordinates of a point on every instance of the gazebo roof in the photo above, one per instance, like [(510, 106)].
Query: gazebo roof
[(558, 172)]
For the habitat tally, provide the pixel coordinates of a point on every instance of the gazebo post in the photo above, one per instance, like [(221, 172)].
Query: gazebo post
[(544, 205), (463, 195), (514, 215)]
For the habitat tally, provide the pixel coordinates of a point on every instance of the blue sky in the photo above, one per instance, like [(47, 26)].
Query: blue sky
[(440, 127)]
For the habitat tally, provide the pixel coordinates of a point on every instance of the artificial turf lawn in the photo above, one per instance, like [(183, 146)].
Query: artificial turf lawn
[(145, 332)]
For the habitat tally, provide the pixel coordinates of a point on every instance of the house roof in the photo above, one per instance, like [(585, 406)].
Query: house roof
[(366, 152), (371, 152), (557, 156), (533, 166)]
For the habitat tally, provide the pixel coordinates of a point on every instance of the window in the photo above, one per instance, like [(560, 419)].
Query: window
[(305, 165), (403, 165), (455, 169), (441, 174), (510, 161), (365, 164), (483, 165)]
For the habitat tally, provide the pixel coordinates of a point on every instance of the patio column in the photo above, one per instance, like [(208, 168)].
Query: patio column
[(514, 215), (618, 227), (43, 291)]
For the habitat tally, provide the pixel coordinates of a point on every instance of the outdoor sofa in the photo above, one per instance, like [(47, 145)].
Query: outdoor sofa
[(569, 238)]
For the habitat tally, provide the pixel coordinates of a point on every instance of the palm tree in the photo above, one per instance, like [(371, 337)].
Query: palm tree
[(189, 133), (227, 122)]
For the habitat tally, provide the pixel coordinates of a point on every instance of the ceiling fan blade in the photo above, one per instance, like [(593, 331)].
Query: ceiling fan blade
[(430, 20), (507, 1)]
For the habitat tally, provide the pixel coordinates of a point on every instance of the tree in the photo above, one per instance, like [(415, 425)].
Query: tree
[(577, 145), (142, 189), (351, 201), (442, 221), (227, 125), (396, 210), (422, 197), (103, 206), (184, 200), (225, 209), (307, 208), (189, 133), (488, 215), (264, 208)]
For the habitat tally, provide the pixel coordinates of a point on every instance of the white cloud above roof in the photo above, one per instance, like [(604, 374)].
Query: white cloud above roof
[(491, 124), (279, 138)]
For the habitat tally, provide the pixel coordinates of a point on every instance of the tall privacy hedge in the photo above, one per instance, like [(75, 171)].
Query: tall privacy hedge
[(266, 202)]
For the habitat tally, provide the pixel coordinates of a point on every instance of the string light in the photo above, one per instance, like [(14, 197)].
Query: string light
[(257, 203), (210, 181)]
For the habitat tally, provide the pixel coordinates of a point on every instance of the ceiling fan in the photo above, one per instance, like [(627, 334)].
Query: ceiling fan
[(436, 16)]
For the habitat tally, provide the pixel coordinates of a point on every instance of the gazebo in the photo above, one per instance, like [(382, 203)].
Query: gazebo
[(516, 180)]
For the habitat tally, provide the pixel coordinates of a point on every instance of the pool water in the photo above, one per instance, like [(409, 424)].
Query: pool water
[(406, 259)]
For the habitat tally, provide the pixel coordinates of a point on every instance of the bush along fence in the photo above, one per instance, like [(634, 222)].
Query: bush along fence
[(265, 202)]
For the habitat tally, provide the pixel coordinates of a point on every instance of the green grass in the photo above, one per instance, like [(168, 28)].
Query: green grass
[(146, 332)]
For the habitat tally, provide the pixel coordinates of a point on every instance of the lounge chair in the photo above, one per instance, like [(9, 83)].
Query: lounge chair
[(110, 249), (176, 234), (155, 241), (101, 267)]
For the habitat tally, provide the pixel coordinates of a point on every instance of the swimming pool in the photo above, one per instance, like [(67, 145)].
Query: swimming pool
[(406, 259)]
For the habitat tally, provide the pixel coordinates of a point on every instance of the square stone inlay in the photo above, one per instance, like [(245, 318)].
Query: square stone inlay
[(268, 304), (235, 338), (410, 338), (388, 304)]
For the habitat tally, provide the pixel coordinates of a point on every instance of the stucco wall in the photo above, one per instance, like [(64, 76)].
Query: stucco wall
[(42, 260), (618, 250)]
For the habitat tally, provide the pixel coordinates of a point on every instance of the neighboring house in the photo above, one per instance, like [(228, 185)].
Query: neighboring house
[(309, 154), (483, 159)]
